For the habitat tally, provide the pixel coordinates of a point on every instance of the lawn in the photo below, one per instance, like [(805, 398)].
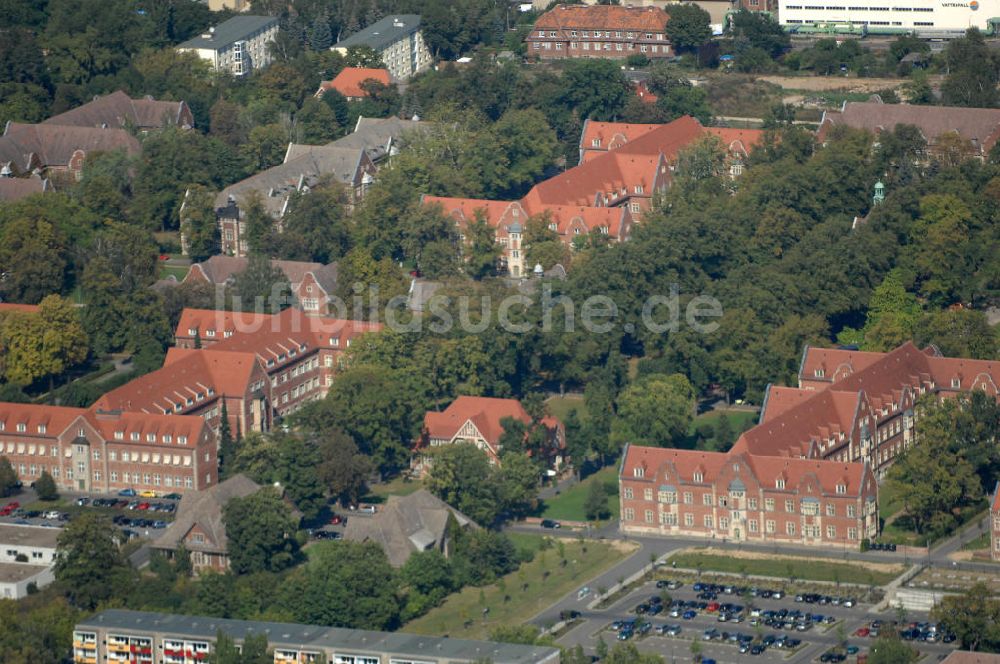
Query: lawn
[(522, 594), (981, 543), (560, 407), (178, 271), (739, 420), (809, 569), (400, 486), (568, 506)]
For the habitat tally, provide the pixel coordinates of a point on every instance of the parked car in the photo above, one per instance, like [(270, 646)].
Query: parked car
[(82, 500), (51, 514), (583, 592), (173, 496), (146, 493), (549, 523), (128, 493), (568, 615), (337, 520)]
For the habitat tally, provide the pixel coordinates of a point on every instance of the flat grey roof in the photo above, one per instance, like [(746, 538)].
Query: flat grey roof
[(17, 572), (380, 34), (227, 32), (335, 638), (40, 536)]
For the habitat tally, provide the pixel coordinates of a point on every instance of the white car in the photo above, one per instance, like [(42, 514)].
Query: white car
[(51, 514)]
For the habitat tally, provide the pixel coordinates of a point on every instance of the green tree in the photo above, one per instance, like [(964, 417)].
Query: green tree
[(363, 56), (261, 287), (759, 30), (46, 488), (89, 566), (260, 530), (594, 88), (315, 123), (43, 344), (33, 260), (316, 226), (199, 225), (973, 617), (890, 650), (346, 584), (689, 26), (973, 72), (254, 650), (462, 476), (628, 653), (676, 96), (8, 477), (265, 146), (483, 250), (655, 410), (595, 507)]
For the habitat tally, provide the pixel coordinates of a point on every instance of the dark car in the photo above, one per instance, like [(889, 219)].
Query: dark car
[(549, 523), (129, 493), (568, 615), (173, 496)]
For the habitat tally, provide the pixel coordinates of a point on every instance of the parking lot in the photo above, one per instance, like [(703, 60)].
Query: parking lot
[(733, 624)]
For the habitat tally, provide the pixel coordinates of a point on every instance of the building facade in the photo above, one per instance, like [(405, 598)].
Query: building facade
[(995, 524), (398, 41), (740, 497), (860, 407), (599, 31), (104, 451), (930, 17), (237, 46), (117, 635), (27, 554)]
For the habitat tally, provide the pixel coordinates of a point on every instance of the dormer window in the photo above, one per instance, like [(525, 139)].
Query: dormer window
[(335, 342), (189, 401), (41, 428), (841, 488), (553, 227), (302, 348), (182, 440), (348, 343), (227, 333), (779, 483), (119, 435), (209, 333), (135, 436), (956, 383), (270, 363), (22, 427), (699, 476), (638, 189), (177, 407), (150, 437), (192, 331), (639, 471), (596, 143), (819, 373), (167, 438)]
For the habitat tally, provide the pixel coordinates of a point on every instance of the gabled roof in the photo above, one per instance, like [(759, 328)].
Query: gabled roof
[(831, 362), (779, 399), (611, 135), (612, 17), (326, 277), (13, 189), (219, 269), (150, 428), (54, 419), (7, 307), (485, 413), (995, 502), (54, 145), (602, 180), (824, 415), (117, 110), (219, 323), (738, 140), (204, 510), (348, 81), (406, 524), (979, 125), (304, 165)]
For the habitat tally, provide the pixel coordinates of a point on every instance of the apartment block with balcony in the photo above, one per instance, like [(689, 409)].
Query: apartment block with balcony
[(399, 42), (237, 46), (117, 635)]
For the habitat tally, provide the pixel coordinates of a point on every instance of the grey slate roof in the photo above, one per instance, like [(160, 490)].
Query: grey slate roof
[(406, 524), (204, 509), (377, 135), (384, 32), (220, 269), (980, 125), (326, 275), (233, 30), (118, 110), (303, 166), (12, 189), (337, 639), (55, 144)]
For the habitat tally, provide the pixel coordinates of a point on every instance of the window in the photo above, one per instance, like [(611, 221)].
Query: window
[(689, 519), (790, 506), (649, 516), (831, 532), (841, 488), (688, 498), (639, 471), (668, 497), (647, 494), (629, 514), (779, 483), (790, 528), (628, 493), (852, 534), (752, 525), (769, 504), (699, 477), (752, 503), (668, 519), (956, 382), (831, 509), (708, 520), (851, 511), (707, 500)]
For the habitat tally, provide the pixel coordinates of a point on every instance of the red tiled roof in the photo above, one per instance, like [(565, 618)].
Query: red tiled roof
[(125, 424), (55, 419), (995, 503), (766, 469), (611, 135), (348, 81), (833, 363), (485, 413), (6, 307), (610, 17), (219, 269), (216, 324), (599, 181), (965, 657), (780, 398), (738, 140), (825, 415)]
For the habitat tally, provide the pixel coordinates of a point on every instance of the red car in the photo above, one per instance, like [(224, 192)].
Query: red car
[(336, 520), (142, 506), (712, 607), (9, 507), (862, 631)]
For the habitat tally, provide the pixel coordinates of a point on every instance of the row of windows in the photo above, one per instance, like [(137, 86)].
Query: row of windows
[(808, 508), (606, 34), (669, 519), (152, 479), (819, 372), (147, 457), (607, 46)]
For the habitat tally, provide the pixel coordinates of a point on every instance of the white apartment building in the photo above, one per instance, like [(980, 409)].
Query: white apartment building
[(398, 40), (894, 15), (237, 46), (27, 554)]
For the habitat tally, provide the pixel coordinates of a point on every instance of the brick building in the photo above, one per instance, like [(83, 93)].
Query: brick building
[(102, 451), (118, 110), (349, 82), (599, 31), (853, 406), (622, 166), (742, 497)]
